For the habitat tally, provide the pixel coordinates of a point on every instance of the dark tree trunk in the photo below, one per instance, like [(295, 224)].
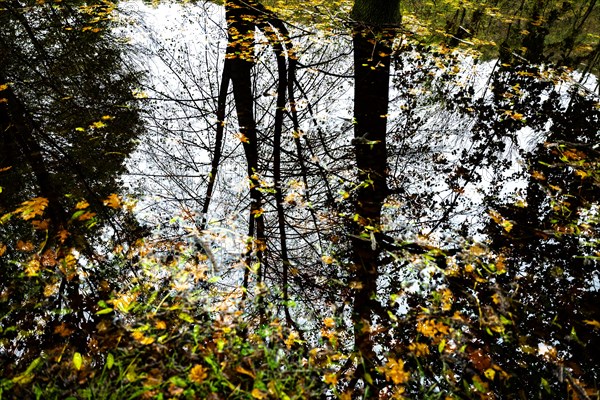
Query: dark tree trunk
[(240, 57), (372, 50)]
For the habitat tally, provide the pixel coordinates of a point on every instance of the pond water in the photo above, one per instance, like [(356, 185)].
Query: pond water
[(391, 207)]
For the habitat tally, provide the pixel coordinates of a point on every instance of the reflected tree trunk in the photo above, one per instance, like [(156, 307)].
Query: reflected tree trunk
[(240, 59), (372, 51)]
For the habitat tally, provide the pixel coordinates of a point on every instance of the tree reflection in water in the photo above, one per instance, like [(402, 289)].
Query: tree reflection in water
[(422, 218)]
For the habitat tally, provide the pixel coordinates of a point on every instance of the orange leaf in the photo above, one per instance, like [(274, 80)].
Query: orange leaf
[(113, 201), (32, 208), (244, 371)]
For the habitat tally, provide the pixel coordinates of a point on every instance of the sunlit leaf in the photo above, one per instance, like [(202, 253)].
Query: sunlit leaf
[(186, 317), (77, 360), (593, 323), (258, 394), (244, 371), (104, 311), (32, 208), (113, 201), (490, 374), (82, 204)]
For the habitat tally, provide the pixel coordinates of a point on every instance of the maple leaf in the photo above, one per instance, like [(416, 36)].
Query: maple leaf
[(394, 371), (86, 216), (32, 208), (198, 374), (140, 337), (242, 138), (327, 259), (113, 201), (63, 330), (82, 204), (331, 379)]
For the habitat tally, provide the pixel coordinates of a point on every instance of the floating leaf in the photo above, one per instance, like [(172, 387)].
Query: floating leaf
[(258, 394), (327, 259), (244, 371), (82, 204), (593, 323), (104, 311), (186, 317), (110, 360), (77, 360), (32, 208), (113, 201)]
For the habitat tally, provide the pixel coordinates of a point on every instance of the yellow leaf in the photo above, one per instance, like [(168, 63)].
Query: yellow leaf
[(593, 323), (244, 371), (394, 371), (329, 322), (51, 288), (257, 394), (33, 267), (327, 259), (490, 374), (538, 175), (140, 337), (198, 374), (82, 204), (331, 379), (77, 361), (32, 208), (242, 138), (160, 325), (356, 285), (113, 201), (4, 86)]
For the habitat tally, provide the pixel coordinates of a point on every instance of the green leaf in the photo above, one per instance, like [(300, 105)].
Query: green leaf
[(104, 311), (110, 361), (177, 381), (186, 317), (34, 364), (546, 386), (78, 214), (77, 360)]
